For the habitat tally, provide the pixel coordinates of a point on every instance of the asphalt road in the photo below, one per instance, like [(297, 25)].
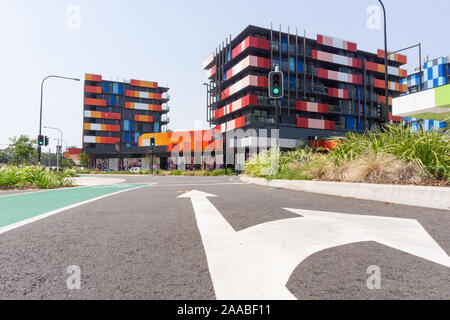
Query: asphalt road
[(147, 243)]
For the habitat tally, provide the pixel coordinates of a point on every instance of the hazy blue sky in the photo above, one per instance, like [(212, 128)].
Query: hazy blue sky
[(167, 41)]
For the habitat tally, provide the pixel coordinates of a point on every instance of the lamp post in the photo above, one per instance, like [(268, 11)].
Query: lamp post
[(61, 133), (40, 112), (386, 75)]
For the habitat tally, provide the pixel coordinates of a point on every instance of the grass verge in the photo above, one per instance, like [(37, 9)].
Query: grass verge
[(395, 155), (13, 177)]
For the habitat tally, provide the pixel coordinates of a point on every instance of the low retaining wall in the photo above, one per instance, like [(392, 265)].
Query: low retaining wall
[(420, 196)]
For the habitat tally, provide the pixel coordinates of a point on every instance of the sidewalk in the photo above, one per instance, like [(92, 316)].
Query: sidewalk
[(420, 196), (96, 181)]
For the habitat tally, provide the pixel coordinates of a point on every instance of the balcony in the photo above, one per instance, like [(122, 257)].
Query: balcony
[(166, 96), (258, 119), (165, 107), (165, 119)]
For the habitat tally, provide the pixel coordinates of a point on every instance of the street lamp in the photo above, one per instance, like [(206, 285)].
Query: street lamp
[(60, 131), (40, 113), (386, 75)]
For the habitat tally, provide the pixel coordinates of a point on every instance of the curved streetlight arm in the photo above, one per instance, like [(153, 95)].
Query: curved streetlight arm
[(40, 110), (42, 95)]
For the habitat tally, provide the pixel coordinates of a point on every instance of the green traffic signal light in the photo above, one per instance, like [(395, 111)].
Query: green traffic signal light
[(276, 85), (40, 140)]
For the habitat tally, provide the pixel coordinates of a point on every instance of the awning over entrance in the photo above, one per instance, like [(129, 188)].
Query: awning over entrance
[(433, 104)]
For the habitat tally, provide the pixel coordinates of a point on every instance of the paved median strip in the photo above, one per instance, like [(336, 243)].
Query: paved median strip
[(20, 209)]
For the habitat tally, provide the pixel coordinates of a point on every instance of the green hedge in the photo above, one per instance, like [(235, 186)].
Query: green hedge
[(30, 176)]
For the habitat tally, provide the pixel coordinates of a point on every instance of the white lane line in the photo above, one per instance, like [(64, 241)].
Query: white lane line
[(51, 213), (200, 184), (256, 263)]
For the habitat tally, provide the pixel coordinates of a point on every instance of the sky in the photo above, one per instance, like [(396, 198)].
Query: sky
[(167, 41)]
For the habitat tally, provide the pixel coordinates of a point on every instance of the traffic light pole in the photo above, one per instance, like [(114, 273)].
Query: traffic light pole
[(152, 158)]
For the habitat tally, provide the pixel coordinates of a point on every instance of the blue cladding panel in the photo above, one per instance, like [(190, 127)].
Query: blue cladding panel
[(291, 64), (156, 127), (115, 88), (105, 87), (126, 125), (121, 88), (300, 65), (136, 137), (350, 123), (360, 125), (113, 100), (128, 137)]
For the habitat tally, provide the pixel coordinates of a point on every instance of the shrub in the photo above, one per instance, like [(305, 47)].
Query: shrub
[(176, 173), (30, 176), (392, 155)]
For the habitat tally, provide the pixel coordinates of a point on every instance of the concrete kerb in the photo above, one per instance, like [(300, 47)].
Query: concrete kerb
[(420, 196)]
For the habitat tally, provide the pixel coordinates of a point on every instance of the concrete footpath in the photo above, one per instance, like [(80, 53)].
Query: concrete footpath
[(420, 196), (96, 180)]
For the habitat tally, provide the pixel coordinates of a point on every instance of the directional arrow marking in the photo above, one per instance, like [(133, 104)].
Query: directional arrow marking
[(256, 263)]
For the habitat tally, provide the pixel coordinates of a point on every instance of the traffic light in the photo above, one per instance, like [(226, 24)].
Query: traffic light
[(152, 142), (40, 140), (46, 141), (276, 85)]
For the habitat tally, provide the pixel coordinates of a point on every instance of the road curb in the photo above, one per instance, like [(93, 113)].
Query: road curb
[(419, 196)]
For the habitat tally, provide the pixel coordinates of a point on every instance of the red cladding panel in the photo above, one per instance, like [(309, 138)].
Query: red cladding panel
[(251, 42), (302, 122), (92, 89), (95, 102)]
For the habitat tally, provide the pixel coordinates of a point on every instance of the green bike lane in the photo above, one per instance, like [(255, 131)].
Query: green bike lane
[(28, 207)]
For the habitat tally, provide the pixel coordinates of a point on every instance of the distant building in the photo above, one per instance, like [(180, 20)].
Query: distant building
[(116, 114), (426, 103), (435, 73)]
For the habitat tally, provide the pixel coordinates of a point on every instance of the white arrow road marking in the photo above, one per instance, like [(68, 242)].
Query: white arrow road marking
[(256, 263)]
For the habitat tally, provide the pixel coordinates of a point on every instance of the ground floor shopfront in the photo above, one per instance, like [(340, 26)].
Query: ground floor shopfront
[(164, 162)]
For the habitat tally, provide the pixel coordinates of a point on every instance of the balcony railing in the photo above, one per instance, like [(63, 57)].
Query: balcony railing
[(166, 96), (165, 107)]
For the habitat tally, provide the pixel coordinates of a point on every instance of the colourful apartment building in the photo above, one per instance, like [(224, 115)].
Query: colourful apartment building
[(331, 86), (426, 103), (116, 114)]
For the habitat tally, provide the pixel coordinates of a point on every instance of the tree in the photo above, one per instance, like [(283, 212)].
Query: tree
[(5, 156), (67, 163), (23, 150), (84, 160)]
